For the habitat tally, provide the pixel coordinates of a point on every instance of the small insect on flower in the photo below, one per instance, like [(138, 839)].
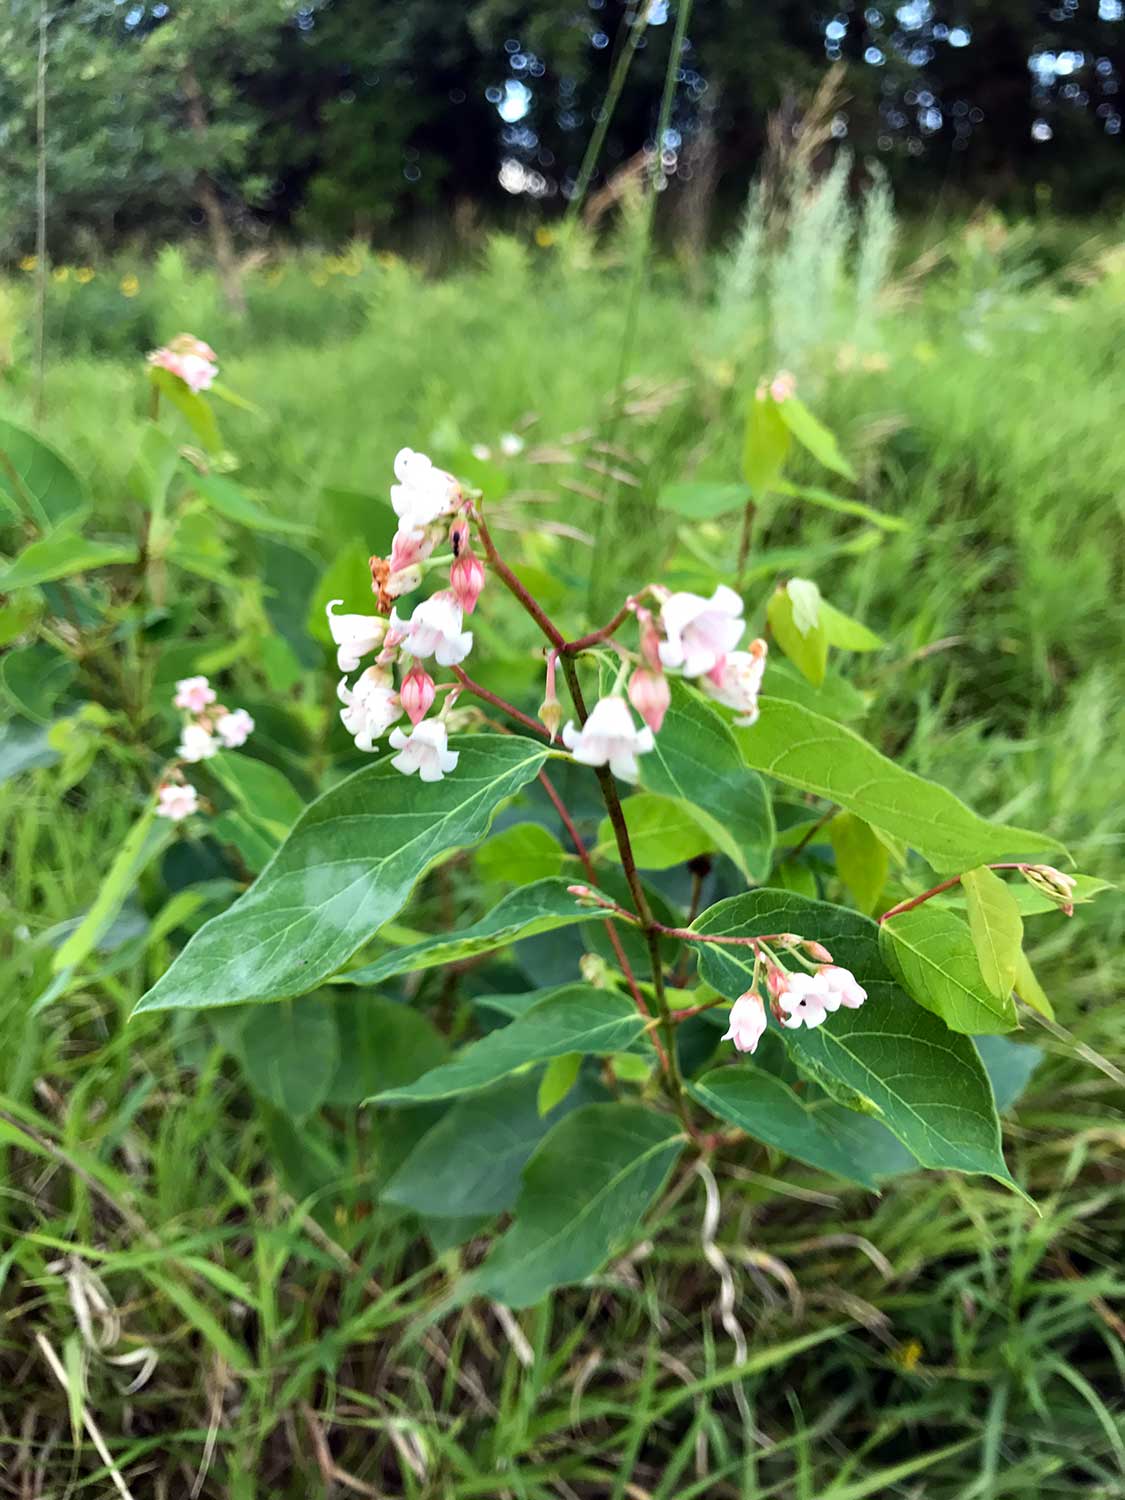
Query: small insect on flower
[(193, 694), (700, 632), (609, 737), (747, 1022), (355, 636), (235, 728), (176, 800), (188, 358), (466, 579), (196, 743), (737, 680), (425, 750)]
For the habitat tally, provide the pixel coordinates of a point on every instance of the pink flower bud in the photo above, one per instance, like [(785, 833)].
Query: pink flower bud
[(650, 639), (747, 1022), (818, 951), (459, 536), (550, 710), (650, 695), (466, 579), (416, 693)]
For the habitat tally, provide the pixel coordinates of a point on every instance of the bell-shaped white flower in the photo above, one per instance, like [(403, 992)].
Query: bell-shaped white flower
[(355, 636), (235, 728), (193, 694), (435, 630), (700, 632), (806, 999), (422, 493), (737, 680), (609, 737), (425, 750), (746, 1022), (176, 801), (196, 743), (370, 707)]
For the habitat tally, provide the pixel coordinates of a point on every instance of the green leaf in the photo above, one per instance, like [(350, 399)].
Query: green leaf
[(194, 409), (862, 861), (804, 750), (765, 447), (36, 480), (1033, 902), (996, 928), (814, 437), (770, 1111), (289, 1053), (932, 953), (383, 1045), (23, 747), (927, 1081), (584, 1192), (1010, 1066), (522, 913), (827, 501), (154, 468), (346, 868), (835, 697), (522, 853), (559, 1077), (61, 554), (696, 758), (574, 1019), (1029, 990), (35, 678), (233, 503), (144, 841), (702, 500), (846, 633), (663, 831), (256, 846), (260, 789), (469, 1163), (799, 631), (347, 577)]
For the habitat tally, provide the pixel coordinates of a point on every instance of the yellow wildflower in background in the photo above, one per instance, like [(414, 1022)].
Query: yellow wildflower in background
[(318, 278), (544, 236), (61, 273), (908, 1355), (275, 276), (28, 263), (387, 258), (84, 275), (130, 286)]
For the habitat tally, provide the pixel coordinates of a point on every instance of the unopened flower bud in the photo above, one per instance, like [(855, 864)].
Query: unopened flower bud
[(405, 581), (818, 951), (550, 710), (650, 640), (466, 579), (416, 693), (1056, 885), (594, 970), (651, 696), (746, 1022)]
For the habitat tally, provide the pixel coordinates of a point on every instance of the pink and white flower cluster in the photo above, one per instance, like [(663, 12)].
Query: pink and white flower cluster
[(189, 359), (424, 498), (797, 997), (209, 728)]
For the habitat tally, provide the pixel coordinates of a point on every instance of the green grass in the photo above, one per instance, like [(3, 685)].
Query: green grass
[(940, 1340)]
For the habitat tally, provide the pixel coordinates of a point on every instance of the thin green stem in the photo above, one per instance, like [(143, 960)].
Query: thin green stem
[(636, 27)]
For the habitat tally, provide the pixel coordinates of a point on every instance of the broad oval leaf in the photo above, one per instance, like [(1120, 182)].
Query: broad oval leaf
[(926, 1081), (521, 853), (696, 758), (770, 1111), (232, 502), (35, 479), (828, 501), (259, 788), (766, 446), (846, 633), (805, 750), (932, 953), (862, 860), (701, 499), (346, 868), (289, 1053), (803, 639), (814, 437), (996, 927), (663, 831), (61, 554), (522, 913), (584, 1192), (576, 1018), (383, 1044), (35, 678)]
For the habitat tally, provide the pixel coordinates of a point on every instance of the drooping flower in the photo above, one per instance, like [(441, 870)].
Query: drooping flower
[(806, 999), (466, 579), (370, 707), (651, 696), (356, 636), (193, 694), (417, 693), (425, 750), (189, 359), (196, 743), (736, 681), (700, 632), (746, 1022), (435, 630), (235, 728), (609, 737), (422, 493), (176, 800)]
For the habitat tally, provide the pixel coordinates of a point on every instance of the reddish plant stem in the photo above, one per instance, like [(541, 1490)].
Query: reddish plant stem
[(945, 885), (515, 587), (810, 834), (497, 702), (697, 1010), (572, 648)]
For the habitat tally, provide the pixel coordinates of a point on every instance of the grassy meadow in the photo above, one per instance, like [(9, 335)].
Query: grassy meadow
[(939, 1340)]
